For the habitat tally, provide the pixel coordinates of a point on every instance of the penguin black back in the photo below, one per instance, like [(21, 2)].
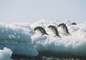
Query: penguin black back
[(74, 23), (54, 29), (62, 25), (41, 29)]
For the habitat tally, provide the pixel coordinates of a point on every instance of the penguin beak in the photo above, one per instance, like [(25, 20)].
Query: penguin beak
[(34, 29), (48, 26), (58, 25)]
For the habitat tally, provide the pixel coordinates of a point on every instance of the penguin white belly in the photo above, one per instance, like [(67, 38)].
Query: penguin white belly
[(40, 32), (54, 31), (64, 31)]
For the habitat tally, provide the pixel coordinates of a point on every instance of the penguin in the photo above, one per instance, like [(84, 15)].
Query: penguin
[(74, 23), (54, 29), (41, 29), (64, 28)]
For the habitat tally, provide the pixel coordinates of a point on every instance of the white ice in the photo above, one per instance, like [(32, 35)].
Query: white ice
[(23, 40), (73, 45), (5, 54), (17, 38)]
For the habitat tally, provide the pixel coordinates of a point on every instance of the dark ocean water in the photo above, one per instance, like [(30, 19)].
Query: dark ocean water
[(16, 57)]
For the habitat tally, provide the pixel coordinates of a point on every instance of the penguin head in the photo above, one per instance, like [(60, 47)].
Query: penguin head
[(61, 25), (37, 28), (74, 23), (50, 26)]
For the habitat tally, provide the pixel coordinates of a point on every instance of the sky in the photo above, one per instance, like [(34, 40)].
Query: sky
[(31, 11)]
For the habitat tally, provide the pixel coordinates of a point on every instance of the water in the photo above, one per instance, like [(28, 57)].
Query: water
[(42, 58)]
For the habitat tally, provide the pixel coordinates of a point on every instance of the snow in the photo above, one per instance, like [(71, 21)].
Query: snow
[(23, 40), (5, 54), (73, 45)]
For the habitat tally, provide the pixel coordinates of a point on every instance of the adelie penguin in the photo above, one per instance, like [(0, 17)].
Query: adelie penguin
[(64, 28), (54, 29), (74, 23), (41, 30)]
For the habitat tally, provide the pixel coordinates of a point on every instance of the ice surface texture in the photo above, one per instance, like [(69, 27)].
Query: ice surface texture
[(73, 45), (5, 54), (22, 39), (17, 38)]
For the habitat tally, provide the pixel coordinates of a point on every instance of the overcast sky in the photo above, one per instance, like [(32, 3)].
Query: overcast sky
[(18, 11)]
